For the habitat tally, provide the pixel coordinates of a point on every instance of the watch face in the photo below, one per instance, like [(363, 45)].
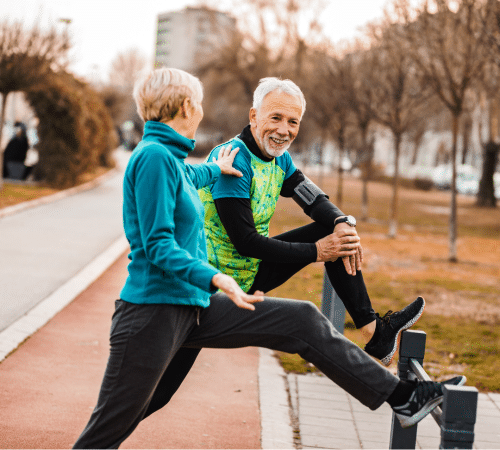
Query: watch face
[(351, 221)]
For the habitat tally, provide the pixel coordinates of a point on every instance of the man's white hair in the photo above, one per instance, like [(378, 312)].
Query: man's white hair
[(271, 84)]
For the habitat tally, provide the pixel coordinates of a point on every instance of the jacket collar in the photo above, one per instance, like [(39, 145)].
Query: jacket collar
[(159, 132)]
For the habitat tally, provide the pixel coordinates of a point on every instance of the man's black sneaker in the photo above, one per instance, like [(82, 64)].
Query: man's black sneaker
[(426, 396), (385, 342)]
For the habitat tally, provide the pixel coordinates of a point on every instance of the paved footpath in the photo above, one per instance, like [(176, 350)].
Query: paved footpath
[(53, 349), (329, 418), (54, 352), (49, 385)]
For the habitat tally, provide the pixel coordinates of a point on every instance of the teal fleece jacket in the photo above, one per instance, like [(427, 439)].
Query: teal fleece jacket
[(163, 220)]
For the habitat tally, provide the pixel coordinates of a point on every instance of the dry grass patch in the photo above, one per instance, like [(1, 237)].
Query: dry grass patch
[(14, 193), (462, 316)]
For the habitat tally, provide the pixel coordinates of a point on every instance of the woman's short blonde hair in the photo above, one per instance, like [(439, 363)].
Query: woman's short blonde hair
[(159, 94)]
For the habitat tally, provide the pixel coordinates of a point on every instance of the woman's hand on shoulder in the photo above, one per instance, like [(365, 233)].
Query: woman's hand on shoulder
[(229, 286), (225, 161)]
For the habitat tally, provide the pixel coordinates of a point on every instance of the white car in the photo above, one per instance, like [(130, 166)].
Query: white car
[(467, 178)]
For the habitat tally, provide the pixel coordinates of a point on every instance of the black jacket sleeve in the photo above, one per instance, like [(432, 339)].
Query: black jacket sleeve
[(236, 216), (322, 210)]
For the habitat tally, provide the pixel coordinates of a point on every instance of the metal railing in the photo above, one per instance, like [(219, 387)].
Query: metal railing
[(456, 416), (331, 305)]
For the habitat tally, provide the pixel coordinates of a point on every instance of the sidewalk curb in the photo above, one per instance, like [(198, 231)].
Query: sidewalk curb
[(9, 210), (276, 426), (37, 317)]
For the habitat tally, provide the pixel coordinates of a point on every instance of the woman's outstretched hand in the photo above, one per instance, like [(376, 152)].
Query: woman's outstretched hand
[(229, 286), (225, 161)]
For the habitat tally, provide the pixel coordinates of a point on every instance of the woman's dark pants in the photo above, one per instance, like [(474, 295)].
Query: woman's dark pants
[(154, 346)]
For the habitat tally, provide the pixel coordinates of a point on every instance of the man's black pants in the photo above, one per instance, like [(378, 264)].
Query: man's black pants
[(350, 289)]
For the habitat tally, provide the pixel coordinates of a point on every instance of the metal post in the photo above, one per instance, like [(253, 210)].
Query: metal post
[(332, 306), (459, 416), (412, 346)]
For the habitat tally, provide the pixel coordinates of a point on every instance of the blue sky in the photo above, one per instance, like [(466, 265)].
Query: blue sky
[(100, 29)]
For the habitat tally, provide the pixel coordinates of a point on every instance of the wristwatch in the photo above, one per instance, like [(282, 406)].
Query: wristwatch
[(350, 220)]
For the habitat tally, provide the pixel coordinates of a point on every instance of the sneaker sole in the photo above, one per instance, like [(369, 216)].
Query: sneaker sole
[(387, 360), (463, 380), (407, 422)]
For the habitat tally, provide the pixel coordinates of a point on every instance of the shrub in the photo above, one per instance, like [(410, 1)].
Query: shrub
[(75, 130)]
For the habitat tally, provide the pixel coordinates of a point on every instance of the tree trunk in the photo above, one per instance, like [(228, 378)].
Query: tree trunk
[(364, 199), (321, 154), (366, 173), (486, 194), (340, 170), (466, 132), (453, 205), (414, 157), (416, 145), (393, 223), (2, 117)]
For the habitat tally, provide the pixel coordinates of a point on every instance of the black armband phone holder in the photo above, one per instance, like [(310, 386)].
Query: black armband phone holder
[(306, 193)]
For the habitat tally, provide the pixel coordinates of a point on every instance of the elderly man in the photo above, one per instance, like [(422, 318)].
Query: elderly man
[(238, 212)]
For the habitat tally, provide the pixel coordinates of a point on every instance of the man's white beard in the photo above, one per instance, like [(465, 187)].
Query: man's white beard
[(273, 151)]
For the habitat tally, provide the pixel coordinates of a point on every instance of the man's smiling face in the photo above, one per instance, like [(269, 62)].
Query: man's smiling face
[(276, 124)]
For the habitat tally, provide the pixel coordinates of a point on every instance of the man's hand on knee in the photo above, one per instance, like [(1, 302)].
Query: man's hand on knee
[(343, 243), (352, 263)]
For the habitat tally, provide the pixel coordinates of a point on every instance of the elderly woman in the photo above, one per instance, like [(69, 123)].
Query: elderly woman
[(166, 313), (169, 278)]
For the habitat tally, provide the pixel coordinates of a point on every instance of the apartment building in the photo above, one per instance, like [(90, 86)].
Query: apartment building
[(187, 38)]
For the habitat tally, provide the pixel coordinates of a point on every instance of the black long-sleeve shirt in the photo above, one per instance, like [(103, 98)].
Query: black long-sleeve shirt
[(237, 218)]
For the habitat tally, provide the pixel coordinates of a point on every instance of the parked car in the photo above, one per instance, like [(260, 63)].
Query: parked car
[(467, 178), (441, 176)]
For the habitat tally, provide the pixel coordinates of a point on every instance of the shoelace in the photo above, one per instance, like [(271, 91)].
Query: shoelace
[(426, 390), (386, 317)]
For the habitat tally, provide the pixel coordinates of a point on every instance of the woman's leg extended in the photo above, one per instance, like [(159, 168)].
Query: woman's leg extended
[(144, 339), (295, 326), (350, 289), (173, 377)]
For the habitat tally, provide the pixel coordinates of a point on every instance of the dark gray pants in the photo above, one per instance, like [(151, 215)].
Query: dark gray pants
[(154, 346)]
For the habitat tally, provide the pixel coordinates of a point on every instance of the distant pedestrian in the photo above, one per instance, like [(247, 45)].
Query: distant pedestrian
[(15, 152), (166, 313)]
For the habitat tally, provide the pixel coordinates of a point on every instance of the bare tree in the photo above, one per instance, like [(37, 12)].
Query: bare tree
[(363, 116), (397, 99), (339, 81), (318, 96), (117, 102), (489, 85), (266, 43), (26, 57), (447, 43), (126, 67)]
